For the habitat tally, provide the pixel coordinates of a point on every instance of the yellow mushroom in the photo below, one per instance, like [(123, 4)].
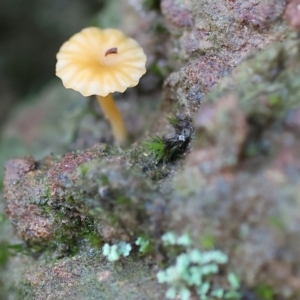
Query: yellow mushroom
[(100, 62)]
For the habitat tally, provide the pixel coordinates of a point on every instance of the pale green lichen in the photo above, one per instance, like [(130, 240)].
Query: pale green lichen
[(193, 272), (170, 238), (143, 244), (184, 240), (114, 252)]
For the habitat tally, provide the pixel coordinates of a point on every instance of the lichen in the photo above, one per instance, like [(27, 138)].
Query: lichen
[(194, 271), (145, 244), (115, 251)]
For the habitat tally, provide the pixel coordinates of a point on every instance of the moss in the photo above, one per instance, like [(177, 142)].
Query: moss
[(4, 250), (70, 199), (252, 149), (68, 237), (151, 4), (160, 70), (33, 249), (174, 121), (276, 222), (83, 169), (207, 242), (156, 146), (104, 180), (3, 218), (68, 228), (160, 28), (166, 149), (113, 219), (17, 248), (46, 209), (124, 200), (4, 253), (264, 292), (94, 239)]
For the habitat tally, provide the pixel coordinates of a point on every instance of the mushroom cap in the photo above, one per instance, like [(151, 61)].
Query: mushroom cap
[(100, 61)]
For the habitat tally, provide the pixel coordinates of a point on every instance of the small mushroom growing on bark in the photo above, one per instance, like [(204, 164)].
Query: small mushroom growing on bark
[(100, 62)]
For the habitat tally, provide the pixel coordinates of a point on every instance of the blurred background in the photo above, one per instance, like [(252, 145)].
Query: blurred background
[(30, 36)]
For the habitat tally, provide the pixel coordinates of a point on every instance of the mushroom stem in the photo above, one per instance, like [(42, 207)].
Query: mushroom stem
[(114, 116)]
